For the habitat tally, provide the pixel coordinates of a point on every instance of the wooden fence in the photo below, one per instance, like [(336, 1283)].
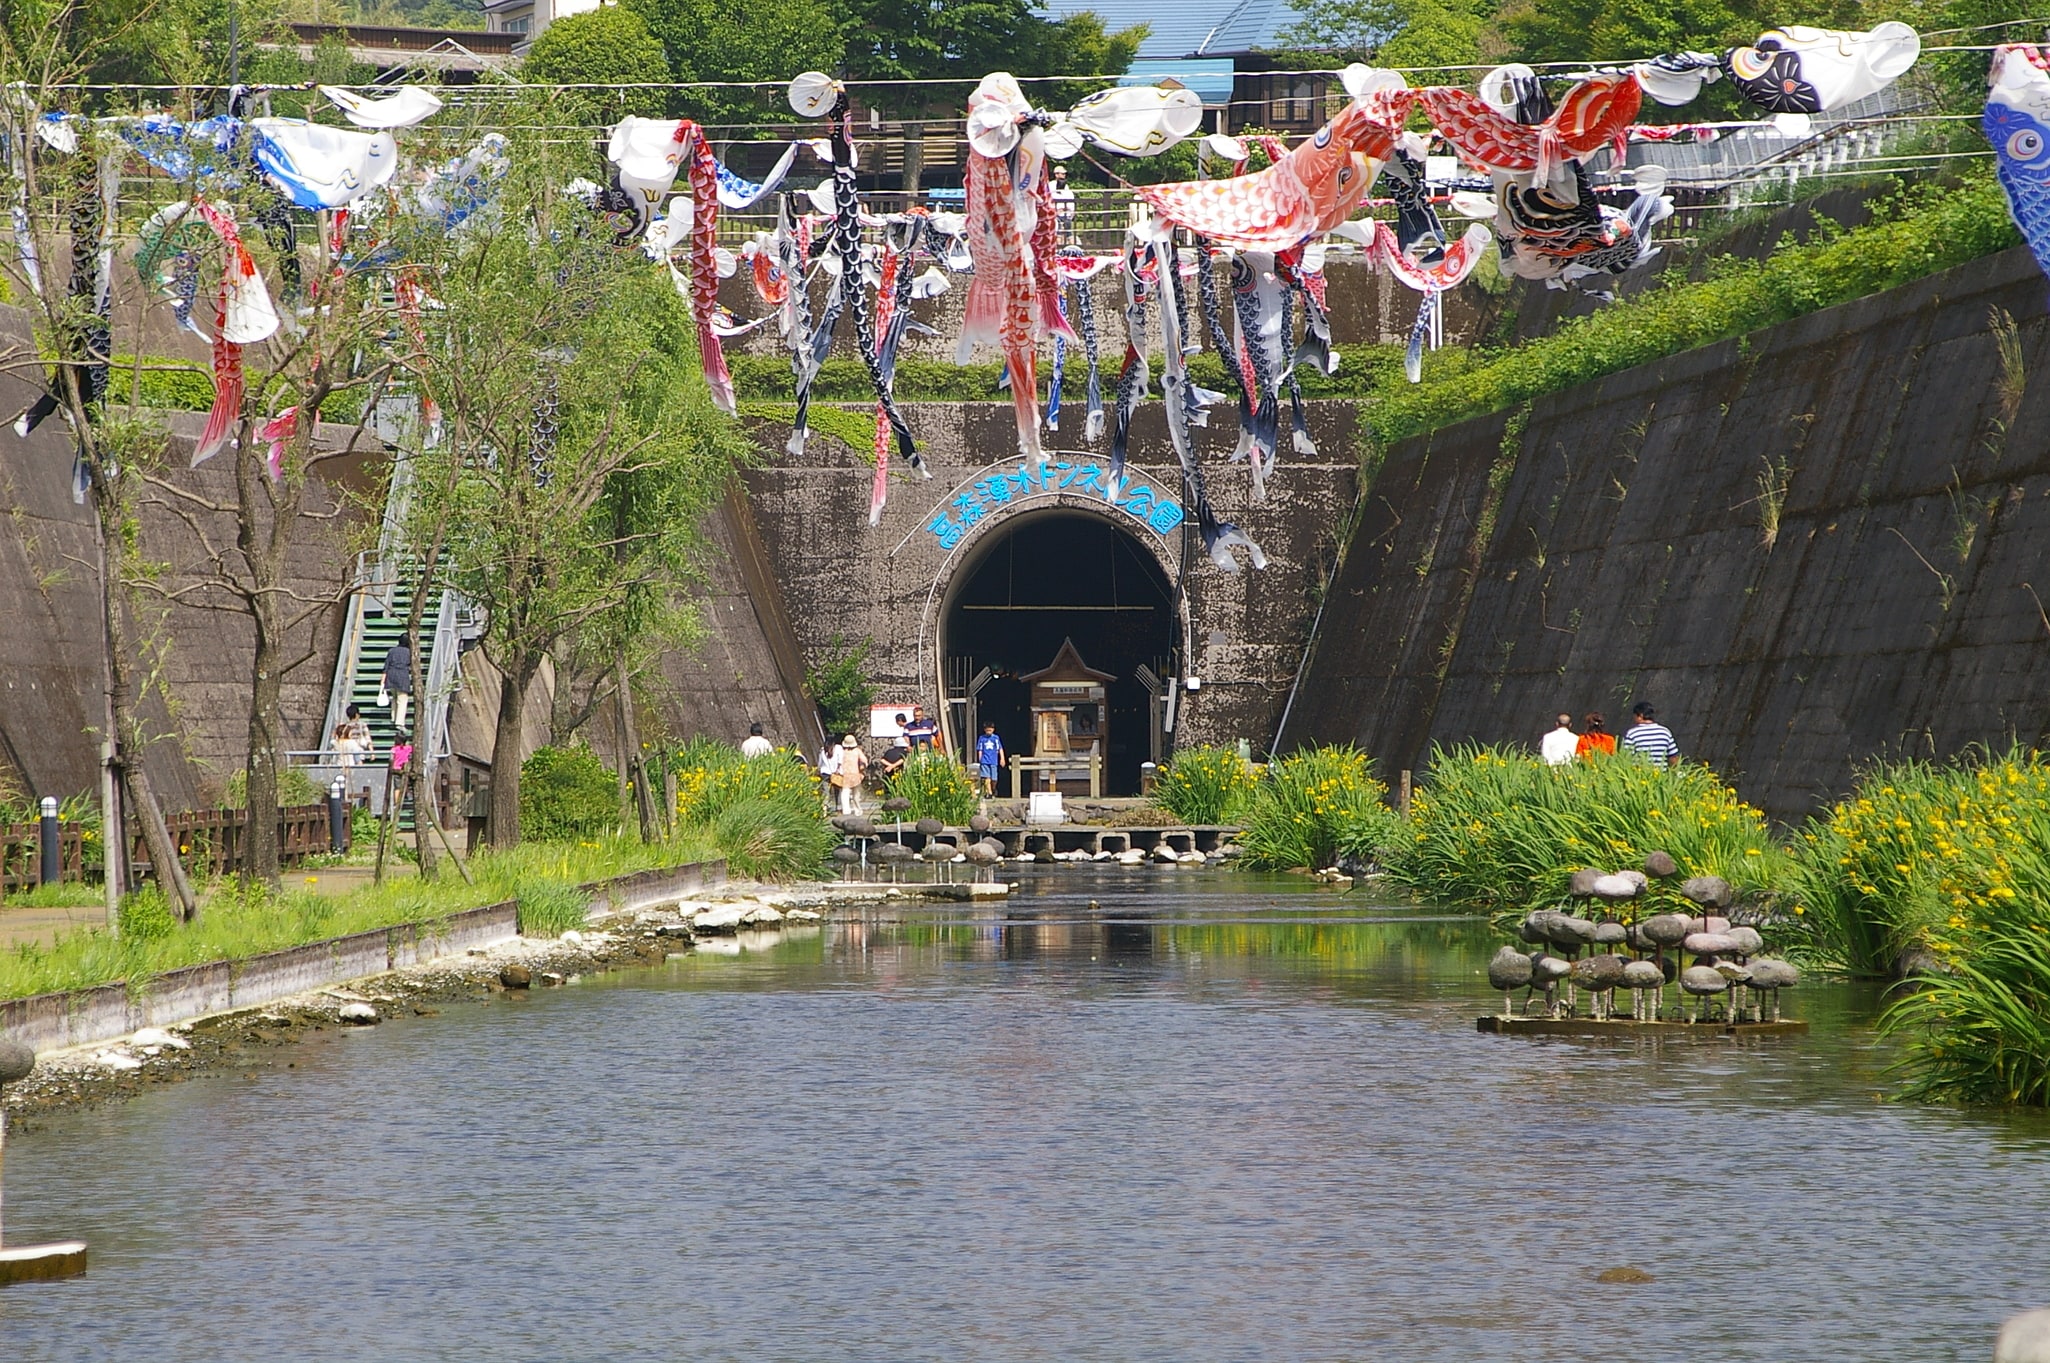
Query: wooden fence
[(214, 841), (21, 854)]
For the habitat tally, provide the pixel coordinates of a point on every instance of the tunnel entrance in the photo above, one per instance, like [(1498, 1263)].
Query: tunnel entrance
[(1061, 578)]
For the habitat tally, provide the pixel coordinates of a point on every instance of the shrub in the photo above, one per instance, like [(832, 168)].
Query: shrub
[(1918, 857), (567, 794), (772, 839), (1311, 803), (937, 788), (295, 787), (1983, 1031), (1206, 785), (146, 915), (1497, 828), (839, 686)]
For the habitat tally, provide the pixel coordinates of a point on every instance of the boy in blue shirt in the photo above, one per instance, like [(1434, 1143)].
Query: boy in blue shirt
[(989, 759)]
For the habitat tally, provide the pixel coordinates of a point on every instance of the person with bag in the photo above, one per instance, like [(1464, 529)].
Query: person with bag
[(849, 775), (395, 690)]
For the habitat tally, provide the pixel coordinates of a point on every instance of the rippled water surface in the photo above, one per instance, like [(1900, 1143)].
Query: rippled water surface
[(1218, 1117)]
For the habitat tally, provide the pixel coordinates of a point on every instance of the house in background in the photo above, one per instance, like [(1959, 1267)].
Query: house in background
[(1223, 50), (526, 18)]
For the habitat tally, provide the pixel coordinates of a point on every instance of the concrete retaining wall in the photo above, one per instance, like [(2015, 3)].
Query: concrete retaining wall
[(83, 1017), (1817, 544)]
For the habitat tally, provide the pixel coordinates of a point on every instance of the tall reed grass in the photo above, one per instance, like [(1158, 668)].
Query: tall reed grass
[(1316, 806), (1497, 828), (1206, 785), (1918, 856), (764, 815)]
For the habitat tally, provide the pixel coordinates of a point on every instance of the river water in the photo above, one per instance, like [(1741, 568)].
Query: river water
[(1218, 1117)]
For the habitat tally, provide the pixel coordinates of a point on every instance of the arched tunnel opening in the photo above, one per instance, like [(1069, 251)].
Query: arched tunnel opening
[(1054, 578)]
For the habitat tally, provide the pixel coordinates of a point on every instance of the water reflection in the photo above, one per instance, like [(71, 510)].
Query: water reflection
[(1213, 1117)]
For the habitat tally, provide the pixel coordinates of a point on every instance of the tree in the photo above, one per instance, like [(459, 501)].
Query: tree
[(725, 40), (70, 363), (1404, 33), (578, 447), (610, 45)]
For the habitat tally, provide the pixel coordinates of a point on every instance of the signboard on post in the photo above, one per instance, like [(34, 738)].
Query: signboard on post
[(888, 721)]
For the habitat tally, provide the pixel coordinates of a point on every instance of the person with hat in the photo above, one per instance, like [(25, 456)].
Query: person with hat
[(849, 775)]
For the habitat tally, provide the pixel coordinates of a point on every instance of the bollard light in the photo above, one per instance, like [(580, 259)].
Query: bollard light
[(338, 816), (52, 869)]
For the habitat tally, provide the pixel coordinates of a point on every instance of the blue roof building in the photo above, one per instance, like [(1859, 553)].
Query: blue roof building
[(1221, 49)]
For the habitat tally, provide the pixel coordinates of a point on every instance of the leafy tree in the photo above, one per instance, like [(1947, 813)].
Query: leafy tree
[(608, 45), (1403, 33), (840, 685), (726, 40), (578, 447)]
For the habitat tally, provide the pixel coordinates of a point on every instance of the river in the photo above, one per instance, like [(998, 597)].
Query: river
[(1219, 1117)]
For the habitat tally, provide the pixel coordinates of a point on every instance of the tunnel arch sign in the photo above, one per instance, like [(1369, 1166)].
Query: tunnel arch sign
[(1002, 486)]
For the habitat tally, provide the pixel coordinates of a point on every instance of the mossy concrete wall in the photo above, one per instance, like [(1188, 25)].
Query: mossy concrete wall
[(1821, 543)]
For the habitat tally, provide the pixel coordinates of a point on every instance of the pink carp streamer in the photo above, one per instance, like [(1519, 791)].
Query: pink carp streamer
[(886, 311), (704, 267), (1305, 194), (1014, 298), (242, 314)]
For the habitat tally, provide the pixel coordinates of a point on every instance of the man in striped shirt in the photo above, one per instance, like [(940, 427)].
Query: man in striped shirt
[(1650, 739)]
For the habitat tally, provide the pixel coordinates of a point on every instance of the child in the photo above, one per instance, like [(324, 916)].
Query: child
[(989, 759)]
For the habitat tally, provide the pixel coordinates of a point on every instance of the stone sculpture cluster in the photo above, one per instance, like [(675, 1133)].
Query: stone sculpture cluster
[(865, 844), (1727, 959)]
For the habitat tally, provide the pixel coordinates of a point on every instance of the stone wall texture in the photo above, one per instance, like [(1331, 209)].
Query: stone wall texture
[(1246, 631), (1821, 543)]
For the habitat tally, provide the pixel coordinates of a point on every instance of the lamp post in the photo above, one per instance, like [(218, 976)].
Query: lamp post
[(52, 869)]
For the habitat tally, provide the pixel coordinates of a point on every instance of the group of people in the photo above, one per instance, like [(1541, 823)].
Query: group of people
[(846, 768), (1646, 737), (352, 741)]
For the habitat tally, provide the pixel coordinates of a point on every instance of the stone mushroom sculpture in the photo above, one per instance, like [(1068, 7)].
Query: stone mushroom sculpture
[(894, 855), (845, 857), (896, 805), (1660, 864), (1545, 974), (940, 854), (929, 826), (1699, 983), (978, 823), (1509, 970), (1599, 976), (1769, 977), (1639, 976), (981, 857)]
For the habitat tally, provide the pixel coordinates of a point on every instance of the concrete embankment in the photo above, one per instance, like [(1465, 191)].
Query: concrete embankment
[(82, 1017), (1816, 544)]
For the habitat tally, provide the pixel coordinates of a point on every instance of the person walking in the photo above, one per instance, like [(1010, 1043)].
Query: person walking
[(754, 745), (989, 760), (1649, 739), (1595, 737), (849, 775), (829, 763), (396, 688), (352, 739), (1558, 746)]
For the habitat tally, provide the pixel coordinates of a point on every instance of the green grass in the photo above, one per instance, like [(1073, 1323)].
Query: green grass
[(237, 923), (1496, 828), (764, 815), (69, 894)]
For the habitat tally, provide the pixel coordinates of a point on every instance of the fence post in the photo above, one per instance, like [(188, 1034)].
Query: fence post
[(1402, 795), (52, 869)]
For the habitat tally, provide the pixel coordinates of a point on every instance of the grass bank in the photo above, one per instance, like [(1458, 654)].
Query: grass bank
[(237, 923)]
